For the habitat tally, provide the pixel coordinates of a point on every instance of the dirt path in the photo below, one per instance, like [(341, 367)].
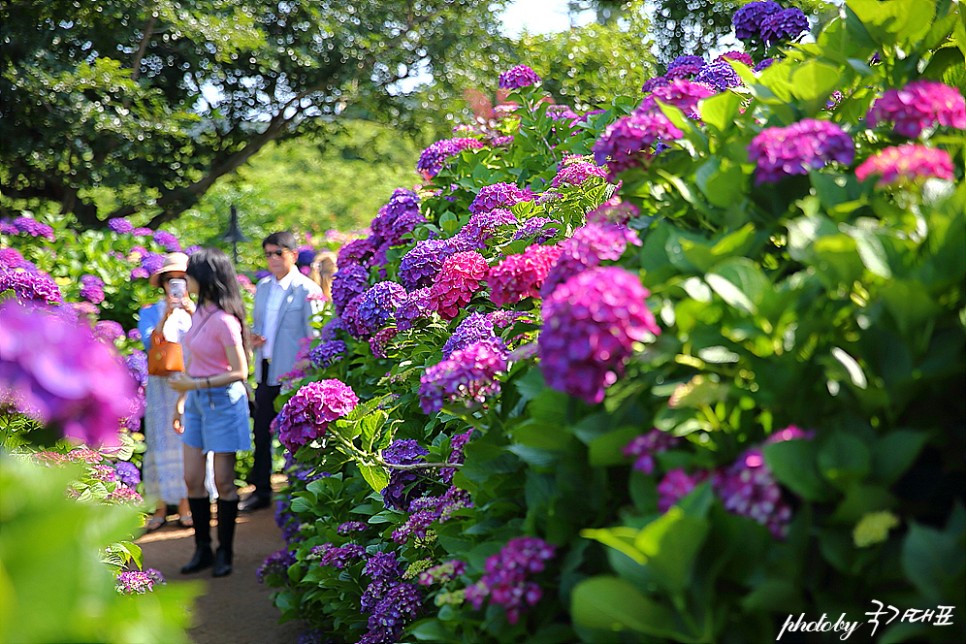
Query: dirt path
[(234, 609)]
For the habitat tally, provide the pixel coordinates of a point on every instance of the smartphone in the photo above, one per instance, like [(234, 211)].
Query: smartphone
[(178, 288)]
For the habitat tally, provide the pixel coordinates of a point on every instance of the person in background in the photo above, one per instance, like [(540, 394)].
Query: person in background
[(323, 272), (212, 411), (163, 464), (283, 313)]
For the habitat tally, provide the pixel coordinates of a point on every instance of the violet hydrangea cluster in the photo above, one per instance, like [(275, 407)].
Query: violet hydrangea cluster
[(426, 510), (30, 286), (275, 564), (719, 75), (377, 304), (784, 25), (401, 488), (420, 266), (906, 163), (475, 327), (521, 276), (614, 211), (588, 247), (358, 252), (499, 195), (32, 227), (748, 18), (780, 152), (53, 369), (644, 447), (350, 281), (327, 353), (306, 415), (138, 582), (435, 157), (507, 581), (398, 217), (466, 378), (92, 289), (748, 488), (413, 306), (517, 77), (457, 444), (591, 322), (389, 601), (682, 94), (630, 140), (120, 225), (483, 225), (919, 105), (459, 278)]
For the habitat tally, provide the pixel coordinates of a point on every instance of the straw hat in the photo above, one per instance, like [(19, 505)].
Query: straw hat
[(173, 263)]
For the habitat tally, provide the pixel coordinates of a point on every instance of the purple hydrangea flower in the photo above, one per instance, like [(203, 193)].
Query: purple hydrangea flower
[(108, 331), (30, 286), (307, 414), (748, 488), (433, 158), (719, 75), (499, 195), (152, 262), (276, 563), (351, 526), (473, 328), (466, 377), (55, 370), (137, 365), (613, 211), (588, 247), (783, 151), (764, 64), (630, 140), (787, 24), (533, 228), (652, 84), (92, 289), (427, 510), (167, 241), (483, 225), (906, 163), (380, 340), (413, 306), (455, 456), (128, 473), (683, 94), (358, 252), (327, 353), (398, 604), (676, 485), (142, 232), (120, 225), (419, 267), (338, 556), (10, 258), (507, 578), (350, 281), (377, 304), (401, 489), (643, 448), (683, 72), (398, 217), (34, 228), (138, 582), (517, 77), (686, 60), (918, 106), (591, 322), (747, 20)]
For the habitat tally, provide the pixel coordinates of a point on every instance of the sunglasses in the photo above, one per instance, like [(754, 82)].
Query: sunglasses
[(275, 253)]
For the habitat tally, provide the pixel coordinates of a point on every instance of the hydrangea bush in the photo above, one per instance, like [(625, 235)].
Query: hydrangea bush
[(710, 379)]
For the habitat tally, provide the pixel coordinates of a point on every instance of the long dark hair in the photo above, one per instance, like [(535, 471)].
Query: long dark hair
[(218, 284)]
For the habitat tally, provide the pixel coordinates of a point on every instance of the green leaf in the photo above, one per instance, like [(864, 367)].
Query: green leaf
[(720, 110), (375, 476), (812, 82), (931, 559), (611, 604), (671, 544), (739, 282), (844, 459), (794, 464), (894, 453), (370, 426)]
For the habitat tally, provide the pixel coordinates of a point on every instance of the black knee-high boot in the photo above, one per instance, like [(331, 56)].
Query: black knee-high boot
[(201, 513), (227, 513)]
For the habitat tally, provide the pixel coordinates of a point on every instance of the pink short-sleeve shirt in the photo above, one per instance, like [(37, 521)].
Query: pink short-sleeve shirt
[(212, 331)]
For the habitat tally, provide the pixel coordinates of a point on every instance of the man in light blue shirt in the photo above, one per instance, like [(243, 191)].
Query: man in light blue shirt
[(282, 320)]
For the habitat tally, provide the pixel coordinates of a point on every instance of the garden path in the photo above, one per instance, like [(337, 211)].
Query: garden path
[(234, 609)]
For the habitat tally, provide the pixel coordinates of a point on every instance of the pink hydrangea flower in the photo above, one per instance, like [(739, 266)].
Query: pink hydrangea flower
[(779, 152), (906, 163), (917, 106), (630, 140), (521, 276), (458, 280), (307, 414), (517, 77)]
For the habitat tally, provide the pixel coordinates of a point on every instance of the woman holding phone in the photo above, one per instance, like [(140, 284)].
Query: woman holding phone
[(163, 463), (214, 403)]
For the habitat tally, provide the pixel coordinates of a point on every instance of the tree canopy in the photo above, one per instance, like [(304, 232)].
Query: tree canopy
[(154, 101)]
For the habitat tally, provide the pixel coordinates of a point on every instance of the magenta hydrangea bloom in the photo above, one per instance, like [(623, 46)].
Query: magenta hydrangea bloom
[(779, 152), (575, 174), (10, 258), (738, 56), (380, 340), (55, 370), (507, 580), (108, 331), (466, 377), (30, 286), (92, 289), (517, 77), (307, 414), (167, 241), (629, 141), (748, 488), (458, 280), (747, 20), (138, 582), (499, 195), (917, 106), (521, 276), (591, 322), (787, 24), (906, 163), (676, 485), (589, 246), (613, 211), (433, 158), (682, 94)]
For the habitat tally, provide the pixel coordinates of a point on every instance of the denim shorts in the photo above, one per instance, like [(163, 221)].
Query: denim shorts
[(216, 419)]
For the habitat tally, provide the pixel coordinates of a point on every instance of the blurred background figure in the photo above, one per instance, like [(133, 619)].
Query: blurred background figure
[(323, 271)]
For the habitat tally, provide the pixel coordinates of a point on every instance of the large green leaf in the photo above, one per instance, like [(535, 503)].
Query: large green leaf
[(740, 283), (844, 459), (375, 476), (611, 604), (794, 465)]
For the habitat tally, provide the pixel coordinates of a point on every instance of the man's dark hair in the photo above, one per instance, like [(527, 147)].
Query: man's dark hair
[(282, 239)]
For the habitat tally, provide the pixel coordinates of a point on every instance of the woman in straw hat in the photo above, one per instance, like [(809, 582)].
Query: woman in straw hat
[(163, 461)]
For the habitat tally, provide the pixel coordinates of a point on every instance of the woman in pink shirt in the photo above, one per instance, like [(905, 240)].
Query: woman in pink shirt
[(212, 410)]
